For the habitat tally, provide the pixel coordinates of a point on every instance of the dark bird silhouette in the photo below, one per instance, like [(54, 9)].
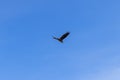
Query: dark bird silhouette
[(62, 37)]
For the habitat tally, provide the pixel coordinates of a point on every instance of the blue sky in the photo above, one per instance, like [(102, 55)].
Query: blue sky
[(28, 52)]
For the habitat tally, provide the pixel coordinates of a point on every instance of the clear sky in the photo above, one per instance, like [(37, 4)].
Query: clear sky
[(28, 52)]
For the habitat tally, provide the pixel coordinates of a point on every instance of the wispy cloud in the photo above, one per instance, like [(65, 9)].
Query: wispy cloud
[(109, 74)]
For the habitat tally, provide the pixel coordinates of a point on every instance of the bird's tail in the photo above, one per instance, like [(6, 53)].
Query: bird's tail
[(54, 37)]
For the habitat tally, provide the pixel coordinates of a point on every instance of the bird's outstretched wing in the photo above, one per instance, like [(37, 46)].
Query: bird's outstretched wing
[(64, 36)]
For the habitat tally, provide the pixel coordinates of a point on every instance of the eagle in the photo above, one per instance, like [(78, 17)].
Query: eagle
[(62, 37)]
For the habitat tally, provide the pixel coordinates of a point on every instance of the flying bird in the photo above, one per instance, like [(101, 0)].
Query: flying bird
[(62, 37)]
